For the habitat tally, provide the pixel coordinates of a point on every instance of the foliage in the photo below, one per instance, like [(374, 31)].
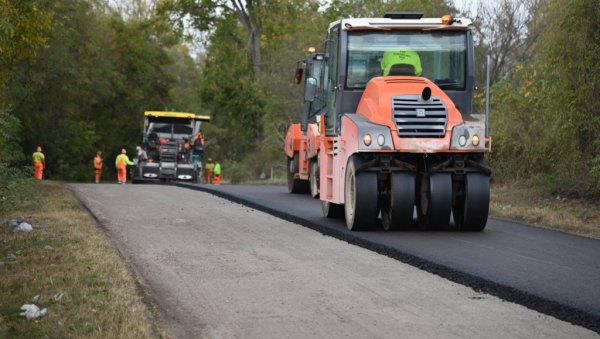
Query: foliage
[(24, 26), (237, 172), (231, 93), (207, 14), (15, 181), (16, 185), (376, 8), (546, 117), (88, 89)]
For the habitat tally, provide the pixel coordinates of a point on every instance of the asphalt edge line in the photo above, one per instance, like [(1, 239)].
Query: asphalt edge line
[(140, 284), (507, 293)]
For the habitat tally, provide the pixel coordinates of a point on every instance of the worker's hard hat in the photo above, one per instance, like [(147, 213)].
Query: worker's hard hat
[(137, 147), (209, 159)]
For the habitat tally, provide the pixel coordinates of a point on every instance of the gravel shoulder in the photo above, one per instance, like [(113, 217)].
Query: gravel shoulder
[(217, 269)]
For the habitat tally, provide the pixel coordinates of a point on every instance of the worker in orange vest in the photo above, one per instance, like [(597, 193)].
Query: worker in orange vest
[(39, 163), (208, 171), (98, 166), (217, 173), (121, 163)]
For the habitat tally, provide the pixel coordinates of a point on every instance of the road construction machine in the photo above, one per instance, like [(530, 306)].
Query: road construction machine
[(174, 144), (302, 139), (398, 130)]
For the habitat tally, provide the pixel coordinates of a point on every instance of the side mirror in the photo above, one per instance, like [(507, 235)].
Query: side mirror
[(310, 90)]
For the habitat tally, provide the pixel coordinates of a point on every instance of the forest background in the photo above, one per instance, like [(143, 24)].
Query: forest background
[(76, 76)]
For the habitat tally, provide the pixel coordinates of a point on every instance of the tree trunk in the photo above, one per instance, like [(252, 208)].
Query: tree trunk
[(253, 29), (254, 47)]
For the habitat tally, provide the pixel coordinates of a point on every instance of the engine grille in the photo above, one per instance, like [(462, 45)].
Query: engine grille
[(416, 118)]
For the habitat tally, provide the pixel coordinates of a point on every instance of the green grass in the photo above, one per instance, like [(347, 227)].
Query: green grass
[(534, 204), (100, 295)]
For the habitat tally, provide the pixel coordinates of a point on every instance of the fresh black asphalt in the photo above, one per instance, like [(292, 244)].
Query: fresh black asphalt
[(549, 271)]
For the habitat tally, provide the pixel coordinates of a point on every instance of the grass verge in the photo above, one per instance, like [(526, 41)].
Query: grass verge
[(66, 255), (535, 205)]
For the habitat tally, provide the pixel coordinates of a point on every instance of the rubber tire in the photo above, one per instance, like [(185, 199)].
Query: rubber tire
[(314, 178), (360, 198), (434, 203), (295, 185), (397, 211), (471, 211), (331, 210)]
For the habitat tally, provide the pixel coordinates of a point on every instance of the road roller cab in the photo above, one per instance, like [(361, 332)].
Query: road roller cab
[(398, 130), (302, 140)]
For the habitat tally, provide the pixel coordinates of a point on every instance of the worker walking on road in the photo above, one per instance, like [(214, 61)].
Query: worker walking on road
[(208, 171), (98, 166), (121, 163), (39, 163), (217, 173)]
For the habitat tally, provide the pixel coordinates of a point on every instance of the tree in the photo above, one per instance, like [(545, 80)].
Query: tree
[(376, 8), (24, 26), (545, 115), (231, 93), (205, 14), (88, 89), (505, 30)]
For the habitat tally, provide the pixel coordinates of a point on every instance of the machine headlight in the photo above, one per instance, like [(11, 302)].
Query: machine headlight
[(380, 140), (367, 139), (468, 135)]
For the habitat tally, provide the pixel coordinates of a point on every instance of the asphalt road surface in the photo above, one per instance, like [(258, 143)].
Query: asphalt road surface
[(218, 269), (550, 271)]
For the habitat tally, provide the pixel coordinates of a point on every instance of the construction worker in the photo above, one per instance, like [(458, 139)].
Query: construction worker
[(98, 166), (142, 159), (187, 150), (208, 171), (39, 163), (121, 163), (199, 137), (217, 173), (405, 56)]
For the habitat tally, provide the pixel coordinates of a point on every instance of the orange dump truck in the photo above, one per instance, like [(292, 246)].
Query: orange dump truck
[(396, 127)]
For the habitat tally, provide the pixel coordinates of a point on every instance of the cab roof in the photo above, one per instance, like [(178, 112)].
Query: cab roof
[(180, 115), (350, 24)]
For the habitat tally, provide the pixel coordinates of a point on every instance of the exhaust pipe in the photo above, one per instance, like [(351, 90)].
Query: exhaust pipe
[(487, 95)]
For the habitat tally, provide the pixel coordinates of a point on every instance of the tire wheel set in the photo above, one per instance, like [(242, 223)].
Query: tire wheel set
[(432, 194)]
